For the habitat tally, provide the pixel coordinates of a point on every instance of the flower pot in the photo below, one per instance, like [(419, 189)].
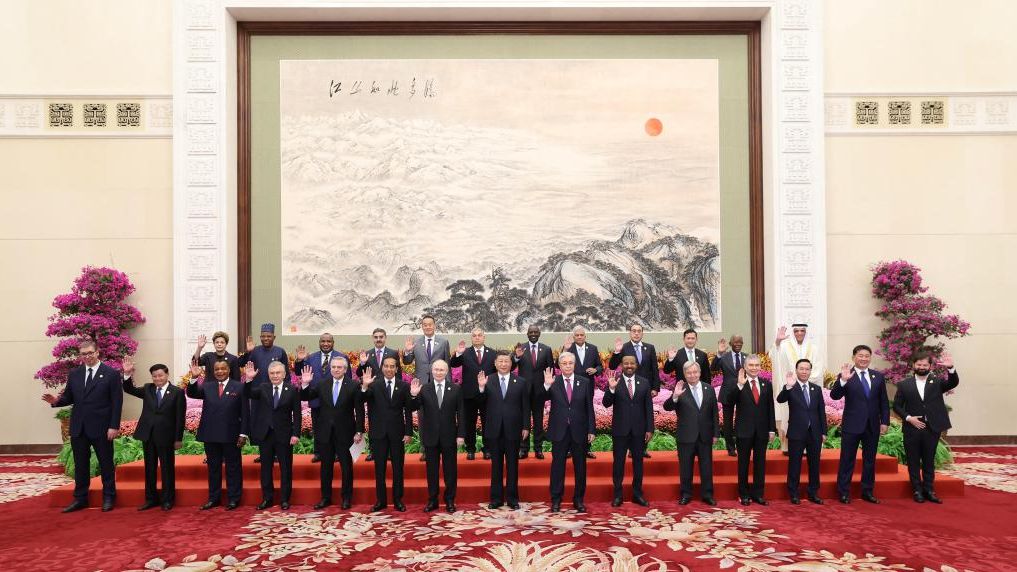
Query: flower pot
[(65, 429)]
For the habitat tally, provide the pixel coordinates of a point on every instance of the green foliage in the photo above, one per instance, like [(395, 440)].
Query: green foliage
[(63, 413)]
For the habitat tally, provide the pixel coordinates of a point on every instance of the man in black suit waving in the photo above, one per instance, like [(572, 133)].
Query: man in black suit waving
[(97, 394), (160, 430), (390, 426), (276, 427), (695, 404), (919, 403), (806, 428), (440, 403), (340, 425), (530, 360), (506, 400), (676, 359), (474, 360), (729, 362), (223, 429), (645, 354), (752, 399), (631, 427), (588, 362), (866, 417), (570, 428)]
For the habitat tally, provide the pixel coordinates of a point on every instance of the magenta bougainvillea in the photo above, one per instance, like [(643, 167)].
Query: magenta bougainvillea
[(914, 317), (95, 308)]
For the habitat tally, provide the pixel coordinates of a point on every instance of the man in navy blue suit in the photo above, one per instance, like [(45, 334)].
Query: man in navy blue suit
[(506, 399), (262, 356), (277, 428), (570, 428), (97, 394), (320, 363), (530, 360), (223, 429), (588, 362), (474, 360), (806, 428), (631, 427), (866, 417)]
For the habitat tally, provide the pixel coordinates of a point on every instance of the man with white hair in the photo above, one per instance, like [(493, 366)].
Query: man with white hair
[(570, 427), (784, 354), (698, 428), (588, 362)]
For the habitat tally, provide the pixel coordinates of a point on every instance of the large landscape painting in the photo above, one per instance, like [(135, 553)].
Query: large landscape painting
[(499, 193)]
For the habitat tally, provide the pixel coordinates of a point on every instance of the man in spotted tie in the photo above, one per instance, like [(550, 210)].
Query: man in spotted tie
[(866, 417)]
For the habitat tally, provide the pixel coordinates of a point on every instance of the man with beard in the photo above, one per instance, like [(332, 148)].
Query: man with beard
[(729, 362), (631, 427)]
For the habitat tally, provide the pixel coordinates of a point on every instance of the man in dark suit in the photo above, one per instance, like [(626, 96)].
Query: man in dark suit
[(570, 428), (223, 429), (729, 362), (866, 417), (262, 356), (320, 362), (160, 430), (806, 428), (752, 399), (207, 360), (340, 425), (507, 410), (530, 360), (474, 360), (695, 404), (588, 362), (441, 430), (645, 354), (919, 403), (390, 426), (97, 394), (277, 428), (426, 349), (676, 359), (631, 427), (377, 355)]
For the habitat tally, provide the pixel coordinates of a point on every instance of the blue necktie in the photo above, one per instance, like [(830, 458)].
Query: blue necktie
[(805, 393), (865, 382), (335, 391), (639, 353), (158, 397), (275, 397)]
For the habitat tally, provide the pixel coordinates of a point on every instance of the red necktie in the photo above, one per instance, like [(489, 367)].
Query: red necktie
[(221, 387), (755, 391), (533, 354), (480, 354)]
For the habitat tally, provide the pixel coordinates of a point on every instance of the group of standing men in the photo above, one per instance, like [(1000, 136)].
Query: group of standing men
[(250, 397)]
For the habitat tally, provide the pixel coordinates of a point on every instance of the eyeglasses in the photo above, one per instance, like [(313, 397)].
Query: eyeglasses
[(88, 353)]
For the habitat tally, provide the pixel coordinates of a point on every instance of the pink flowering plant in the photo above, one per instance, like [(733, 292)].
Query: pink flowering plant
[(914, 317), (95, 308)]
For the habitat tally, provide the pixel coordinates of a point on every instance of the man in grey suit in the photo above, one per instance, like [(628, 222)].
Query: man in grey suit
[(426, 349)]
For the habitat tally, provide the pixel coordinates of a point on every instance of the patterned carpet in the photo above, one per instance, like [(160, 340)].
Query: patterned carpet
[(977, 532)]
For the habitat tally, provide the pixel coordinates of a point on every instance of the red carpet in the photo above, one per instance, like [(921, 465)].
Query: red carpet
[(975, 532), (659, 483)]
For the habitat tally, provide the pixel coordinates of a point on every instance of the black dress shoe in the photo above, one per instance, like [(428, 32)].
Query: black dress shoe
[(494, 505), (919, 497), (209, 504), (745, 501), (470, 456), (107, 505), (640, 501), (556, 507), (399, 506), (785, 453), (580, 507), (148, 505), (423, 457), (284, 505), (378, 506), (257, 459), (232, 505), (369, 457), (844, 499), (616, 502), (513, 505), (796, 500), (346, 504), (315, 459), (684, 500), (868, 497), (646, 454), (732, 453), (931, 497), (431, 505), (76, 505), (590, 455), (523, 454), (539, 455), (815, 499), (487, 456), (710, 501), (264, 504), (450, 508), (760, 501), (322, 504), (167, 506)]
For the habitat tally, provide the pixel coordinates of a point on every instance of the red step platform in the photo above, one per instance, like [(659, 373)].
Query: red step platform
[(660, 481)]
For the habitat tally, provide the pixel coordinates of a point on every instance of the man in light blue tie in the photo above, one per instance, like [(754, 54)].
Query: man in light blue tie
[(866, 417)]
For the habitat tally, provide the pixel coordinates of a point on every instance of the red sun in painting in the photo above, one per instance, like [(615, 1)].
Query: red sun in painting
[(653, 127)]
